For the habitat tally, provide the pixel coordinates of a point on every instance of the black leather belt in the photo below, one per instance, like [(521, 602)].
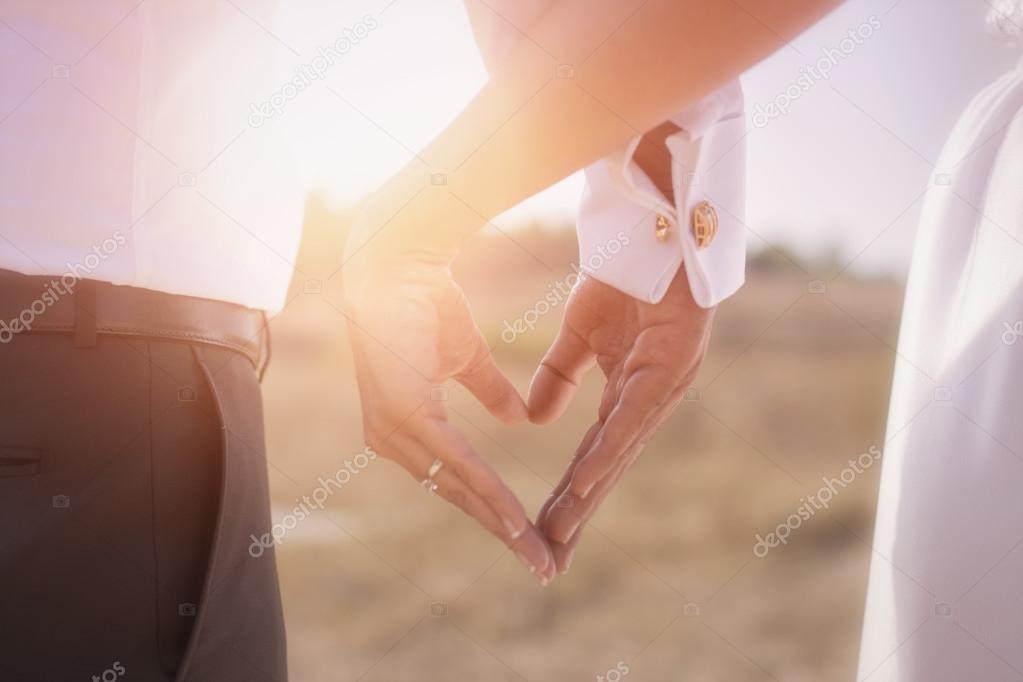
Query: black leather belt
[(35, 304)]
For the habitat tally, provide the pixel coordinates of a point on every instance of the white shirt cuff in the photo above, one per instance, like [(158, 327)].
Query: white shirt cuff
[(620, 207)]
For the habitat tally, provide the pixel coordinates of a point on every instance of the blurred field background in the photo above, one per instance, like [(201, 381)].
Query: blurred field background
[(388, 584)]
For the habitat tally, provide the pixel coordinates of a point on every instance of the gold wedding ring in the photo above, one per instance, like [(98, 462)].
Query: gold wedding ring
[(434, 469)]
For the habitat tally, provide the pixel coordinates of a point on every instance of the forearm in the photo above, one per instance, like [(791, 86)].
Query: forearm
[(526, 128)]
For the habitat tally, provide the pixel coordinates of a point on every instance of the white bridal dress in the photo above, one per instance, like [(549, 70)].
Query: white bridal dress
[(945, 599)]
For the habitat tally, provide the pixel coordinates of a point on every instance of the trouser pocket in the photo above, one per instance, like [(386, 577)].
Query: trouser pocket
[(239, 628)]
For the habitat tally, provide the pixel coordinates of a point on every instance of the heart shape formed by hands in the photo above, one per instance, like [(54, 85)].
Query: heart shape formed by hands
[(412, 331)]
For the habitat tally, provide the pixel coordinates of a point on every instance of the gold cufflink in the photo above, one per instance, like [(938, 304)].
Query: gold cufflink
[(661, 227), (705, 224)]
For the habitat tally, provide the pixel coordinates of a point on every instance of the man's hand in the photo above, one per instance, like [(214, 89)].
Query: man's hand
[(411, 331), (650, 354)]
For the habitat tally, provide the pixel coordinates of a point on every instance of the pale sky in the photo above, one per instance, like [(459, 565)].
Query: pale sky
[(850, 156)]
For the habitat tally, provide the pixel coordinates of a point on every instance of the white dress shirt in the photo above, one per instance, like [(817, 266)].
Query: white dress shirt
[(128, 155)]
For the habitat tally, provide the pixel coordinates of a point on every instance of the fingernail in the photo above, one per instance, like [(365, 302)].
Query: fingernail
[(568, 563), (513, 533), (571, 531), (544, 581), (576, 490), (526, 562)]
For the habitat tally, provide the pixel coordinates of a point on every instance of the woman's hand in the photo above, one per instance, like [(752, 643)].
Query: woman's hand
[(411, 331)]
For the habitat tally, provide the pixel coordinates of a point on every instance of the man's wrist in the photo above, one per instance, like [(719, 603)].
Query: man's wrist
[(654, 159)]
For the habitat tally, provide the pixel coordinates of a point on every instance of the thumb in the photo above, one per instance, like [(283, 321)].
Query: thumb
[(558, 376), (492, 388)]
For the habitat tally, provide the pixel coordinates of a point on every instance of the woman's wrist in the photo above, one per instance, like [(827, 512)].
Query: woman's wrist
[(414, 216)]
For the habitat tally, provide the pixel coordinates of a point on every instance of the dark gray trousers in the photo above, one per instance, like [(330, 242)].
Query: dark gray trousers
[(132, 477)]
